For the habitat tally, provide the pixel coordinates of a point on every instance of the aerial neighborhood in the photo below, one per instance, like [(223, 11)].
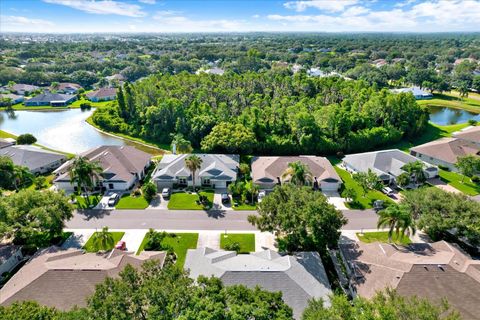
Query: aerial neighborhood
[(230, 175)]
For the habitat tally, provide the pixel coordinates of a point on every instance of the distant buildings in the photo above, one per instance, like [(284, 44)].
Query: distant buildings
[(14, 98), (214, 70), (36, 159), (123, 167), (417, 92), (66, 278), (66, 87), (267, 171), (429, 270), (102, 94), (51, 99), (300, 277), (217, 171), (23, 89), (386, 164)]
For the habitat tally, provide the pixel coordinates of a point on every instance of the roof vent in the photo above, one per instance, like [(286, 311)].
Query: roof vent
[(441, 267), (425, 267)]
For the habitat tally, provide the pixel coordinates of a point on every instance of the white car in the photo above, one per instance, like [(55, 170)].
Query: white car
[(166, 193), (388, 191), (261, 195), (113, 199)]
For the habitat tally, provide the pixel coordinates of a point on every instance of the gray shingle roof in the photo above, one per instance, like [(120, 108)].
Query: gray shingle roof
[(49, 97), (31, 157), (299, 277)]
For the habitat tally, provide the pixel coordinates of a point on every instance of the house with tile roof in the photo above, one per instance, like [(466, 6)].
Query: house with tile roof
[(36, 159), (445, 151), (469, 134), (299, 277), (66, 278), (430, 270), (267, 171), (216, 171), (123, 167), (386, 164), (102, 94)]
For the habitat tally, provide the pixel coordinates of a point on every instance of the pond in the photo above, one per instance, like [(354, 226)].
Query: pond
[(445, 116), (63, 130)]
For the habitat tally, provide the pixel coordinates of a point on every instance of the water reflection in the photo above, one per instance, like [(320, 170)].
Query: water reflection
[(446, 116)]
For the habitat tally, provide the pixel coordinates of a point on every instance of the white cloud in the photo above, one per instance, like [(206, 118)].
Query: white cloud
[(174, 21), (355, 11), (324, 5), (147, 1), (405, 3), (102, 7), (20, 24), (256, 16)]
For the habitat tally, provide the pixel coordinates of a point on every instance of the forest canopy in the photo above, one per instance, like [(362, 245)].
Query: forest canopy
[(263, 113)]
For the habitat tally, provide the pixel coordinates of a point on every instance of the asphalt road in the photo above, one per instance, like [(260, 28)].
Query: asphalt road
[(192, 219)]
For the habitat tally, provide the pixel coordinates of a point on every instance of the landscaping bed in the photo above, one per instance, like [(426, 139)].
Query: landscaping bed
[(180, 243), (245, 240), (382, 236), (128, 201), (117, 236), (188, 201)]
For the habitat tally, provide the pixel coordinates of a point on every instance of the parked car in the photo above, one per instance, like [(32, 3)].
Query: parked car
[(121, 245), (388, 191), (261, 195), (166, 193), (113, 199), (378, 205), (225, 198)]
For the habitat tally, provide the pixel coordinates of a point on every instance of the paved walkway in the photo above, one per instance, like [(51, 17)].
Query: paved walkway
[(158, 203), (437, 182), (78, 238), (209, 239), (133, 239)]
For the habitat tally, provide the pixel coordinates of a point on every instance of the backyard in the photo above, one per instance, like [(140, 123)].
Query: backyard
[(180, 243), (360, 201), (89, 246), (188, 201), (455, 180), (382, 236), (245, 240), (127, 201)]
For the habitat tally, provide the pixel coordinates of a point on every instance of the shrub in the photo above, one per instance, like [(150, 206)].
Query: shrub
[(443, 167), (476, 179), (233, 246), (137, 192), (40, 182), (149, 191), (472, 122), (26, 138), (85, 106)]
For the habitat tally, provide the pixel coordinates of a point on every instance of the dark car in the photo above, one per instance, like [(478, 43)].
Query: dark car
[(225, 198)]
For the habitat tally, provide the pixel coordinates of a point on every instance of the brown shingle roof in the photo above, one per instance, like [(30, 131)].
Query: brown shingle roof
[(269, 168), (102, 93), (447, 149), (469, 134), (66, 278), (437, 270)]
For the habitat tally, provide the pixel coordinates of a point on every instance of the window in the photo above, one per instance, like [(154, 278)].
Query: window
[(182, 181), (206, 181)]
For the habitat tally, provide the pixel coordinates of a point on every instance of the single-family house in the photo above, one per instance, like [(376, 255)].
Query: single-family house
[(216, 171), (299, 277), (10, 257), (386, 164), (66, 278), (214, 70), (23, 89), (267, 171), (116, 79), (13, 98), (6, 142), (417, 92), (66, 87), (469, 134), (102, 94), (51, 99), (429, 270), (379, 62), (445, 151), (36, 159), (123, 167)]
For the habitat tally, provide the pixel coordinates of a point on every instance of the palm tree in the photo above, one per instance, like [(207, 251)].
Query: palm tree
[(415, 170), (398, 219), (84, 173), (193, 163), (251, 188), (102, 240), (297, 173), (21, 175)]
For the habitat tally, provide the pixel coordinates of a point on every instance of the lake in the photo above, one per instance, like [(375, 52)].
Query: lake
[(445, 116), (63, 130)]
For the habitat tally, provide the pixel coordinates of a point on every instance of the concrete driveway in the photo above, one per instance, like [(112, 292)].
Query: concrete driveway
[(335, 199), (158, 203), (437, 182), (217, 200), (133, 238), (78, 239)]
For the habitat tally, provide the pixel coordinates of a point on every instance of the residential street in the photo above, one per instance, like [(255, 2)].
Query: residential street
[(192, 219)]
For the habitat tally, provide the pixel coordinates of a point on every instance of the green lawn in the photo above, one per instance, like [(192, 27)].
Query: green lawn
[(361, 202), (382, 236), (452, 100), (246, 241), (130, 202), (180, 243), (82, 202), (187, 201), (76, 104), (455, 180), (117, 236)]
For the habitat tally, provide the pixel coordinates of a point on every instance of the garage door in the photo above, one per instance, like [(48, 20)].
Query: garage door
[(329, 186)]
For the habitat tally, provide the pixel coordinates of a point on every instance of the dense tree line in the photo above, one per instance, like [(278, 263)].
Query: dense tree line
[(266, 113)]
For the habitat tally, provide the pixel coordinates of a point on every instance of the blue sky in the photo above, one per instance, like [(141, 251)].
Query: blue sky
[(67, 16)]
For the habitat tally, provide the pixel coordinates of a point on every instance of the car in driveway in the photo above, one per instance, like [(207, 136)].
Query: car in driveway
[(166, 193), (112, 201), (121, 245), (388, 191), (261, 195), (225, 198)]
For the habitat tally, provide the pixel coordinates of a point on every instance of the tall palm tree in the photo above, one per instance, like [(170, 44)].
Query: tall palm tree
[(84, 173), (252, 188), (21, 176), (297, 173), (102, 240), (193, 163), (398, 219), (415, 170)]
